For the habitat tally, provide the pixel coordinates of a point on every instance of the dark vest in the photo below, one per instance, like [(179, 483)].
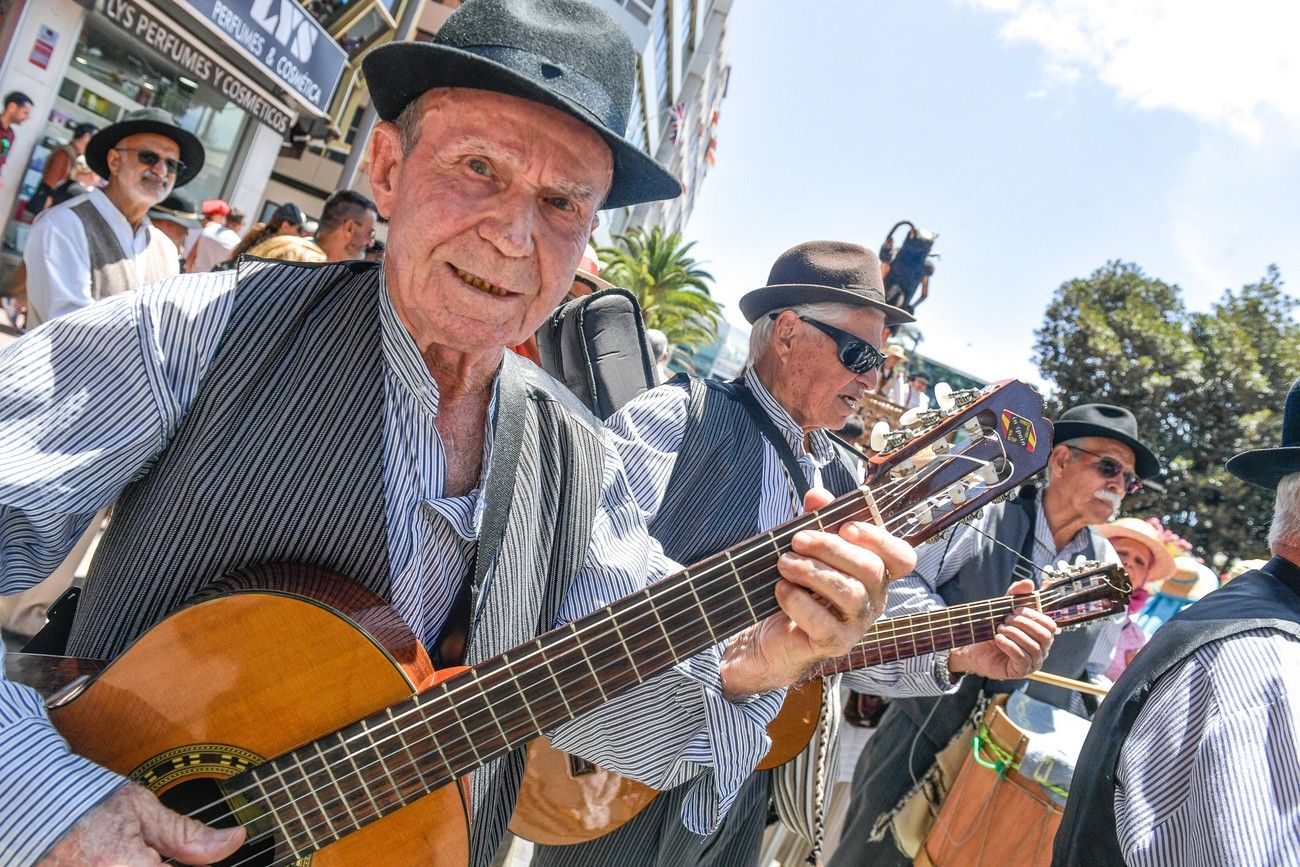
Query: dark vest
[(984, 576), (1267, 598), (711, 501), (282, 447)]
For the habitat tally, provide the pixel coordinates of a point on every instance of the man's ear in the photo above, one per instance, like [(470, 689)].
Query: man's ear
[(385, 165), (1059, 457), (783, 332)]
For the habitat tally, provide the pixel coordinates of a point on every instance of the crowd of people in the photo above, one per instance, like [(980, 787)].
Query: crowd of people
[(202, 402)]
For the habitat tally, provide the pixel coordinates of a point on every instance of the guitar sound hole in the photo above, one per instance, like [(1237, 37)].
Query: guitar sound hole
[(203, 800)]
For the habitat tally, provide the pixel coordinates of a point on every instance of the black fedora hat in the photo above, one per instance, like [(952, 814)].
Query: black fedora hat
[(1266, 467), (567, 54), (1112, 423), (819, 271), (153, 120)]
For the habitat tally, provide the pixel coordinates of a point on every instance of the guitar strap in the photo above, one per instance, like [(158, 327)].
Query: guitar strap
[(737, 389), (497, 494)]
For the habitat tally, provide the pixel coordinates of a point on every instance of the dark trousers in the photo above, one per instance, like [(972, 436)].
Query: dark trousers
[(657, 837)]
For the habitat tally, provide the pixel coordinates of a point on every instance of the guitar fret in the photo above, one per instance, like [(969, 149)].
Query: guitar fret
[(524, 700), (383, 763), (469, 738), (667, 638), (559, 689), (365, 784), (346, 801), (505, 738), (704, 615), (274, 813), (293, 802), (587, 659), (630, 658), (415, 763), (776, 546), (741, 583), (320, 805)]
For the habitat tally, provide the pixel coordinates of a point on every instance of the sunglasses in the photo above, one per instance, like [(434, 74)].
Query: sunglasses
[(1111, 469), (854, 353), (149, 159)]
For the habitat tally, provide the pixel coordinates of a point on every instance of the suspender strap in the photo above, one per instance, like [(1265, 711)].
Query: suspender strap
[(768, 429), (498, 492)]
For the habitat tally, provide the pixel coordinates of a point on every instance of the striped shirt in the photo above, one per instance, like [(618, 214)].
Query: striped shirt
[(938, 561), (1210, 774), (648, 433), (88, 401)]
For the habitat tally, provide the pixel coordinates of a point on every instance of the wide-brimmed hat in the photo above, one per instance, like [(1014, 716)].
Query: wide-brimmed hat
[(893, 350), (1109, 422), (1191, 579), (820, 271), (1162, 562), (178, 209), (1266, 467), (567, 54), (153, 120), (215, 208), (589, 271)]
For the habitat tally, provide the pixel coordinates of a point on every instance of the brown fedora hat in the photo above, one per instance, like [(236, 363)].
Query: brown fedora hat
[(821, 271)]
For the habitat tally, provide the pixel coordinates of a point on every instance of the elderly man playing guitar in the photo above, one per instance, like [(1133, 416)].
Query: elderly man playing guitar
[(743, 453), (253, 416)]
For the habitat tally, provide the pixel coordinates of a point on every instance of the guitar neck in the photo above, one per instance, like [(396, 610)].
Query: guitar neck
[(912, 635)]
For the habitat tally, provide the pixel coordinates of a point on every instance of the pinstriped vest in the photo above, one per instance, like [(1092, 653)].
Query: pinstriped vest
[(711, 501), (280, 458)]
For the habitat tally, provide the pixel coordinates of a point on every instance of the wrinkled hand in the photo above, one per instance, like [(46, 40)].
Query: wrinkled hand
[(832, 590), (1018, 649), (132, 828)]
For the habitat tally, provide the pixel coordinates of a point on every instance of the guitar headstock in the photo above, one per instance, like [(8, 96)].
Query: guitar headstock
[(1086, 592), (947, 463)]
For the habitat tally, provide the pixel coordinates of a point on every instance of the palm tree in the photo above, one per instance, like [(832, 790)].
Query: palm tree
[(672, 289)]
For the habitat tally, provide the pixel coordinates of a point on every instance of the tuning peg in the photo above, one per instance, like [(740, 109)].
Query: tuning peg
[(879, 431), (988, 474), (909, 417), (943, 397), (957, 493), (1062, 566)]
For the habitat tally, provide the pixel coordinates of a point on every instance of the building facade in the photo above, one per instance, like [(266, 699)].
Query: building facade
[(239, 74), (677, 106)]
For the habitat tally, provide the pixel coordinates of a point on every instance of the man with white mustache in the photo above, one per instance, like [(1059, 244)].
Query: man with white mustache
[(102, 244), (1096, 460)]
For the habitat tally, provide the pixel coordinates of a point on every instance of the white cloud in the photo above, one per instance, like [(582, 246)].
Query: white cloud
[(1231, 65)]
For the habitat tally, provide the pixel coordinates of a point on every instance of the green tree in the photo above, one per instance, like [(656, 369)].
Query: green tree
[(1203, 387), (669, 284)]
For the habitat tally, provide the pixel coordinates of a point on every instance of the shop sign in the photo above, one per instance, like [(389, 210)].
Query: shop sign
[(43, 49), (159, 34), (285, 40)]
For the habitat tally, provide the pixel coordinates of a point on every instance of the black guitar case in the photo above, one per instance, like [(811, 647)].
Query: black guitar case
[(596, 345)]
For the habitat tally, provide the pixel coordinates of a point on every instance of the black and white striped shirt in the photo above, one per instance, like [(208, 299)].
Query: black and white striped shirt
[(89, 400)]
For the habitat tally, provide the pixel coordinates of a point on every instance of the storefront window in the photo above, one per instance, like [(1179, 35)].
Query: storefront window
[(112, 74)]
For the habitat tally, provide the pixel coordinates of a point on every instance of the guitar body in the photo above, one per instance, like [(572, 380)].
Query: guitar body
[(241, 678), (563, 801)]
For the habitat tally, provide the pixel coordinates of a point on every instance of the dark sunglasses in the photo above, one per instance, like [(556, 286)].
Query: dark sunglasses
[(149, 159), (1111, 468), (854, 353)]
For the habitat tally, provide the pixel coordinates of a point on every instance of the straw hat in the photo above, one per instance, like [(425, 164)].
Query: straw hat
[(1162, 562), (1191, 579)]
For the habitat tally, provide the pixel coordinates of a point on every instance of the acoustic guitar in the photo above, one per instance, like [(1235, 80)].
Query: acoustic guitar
[(564, 800), (300, 706)]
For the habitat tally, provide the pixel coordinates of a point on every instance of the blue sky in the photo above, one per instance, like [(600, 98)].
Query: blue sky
[(1038, 138)]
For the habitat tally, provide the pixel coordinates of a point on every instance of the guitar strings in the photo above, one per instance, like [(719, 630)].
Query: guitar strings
[(307, 777), (826, 512)]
